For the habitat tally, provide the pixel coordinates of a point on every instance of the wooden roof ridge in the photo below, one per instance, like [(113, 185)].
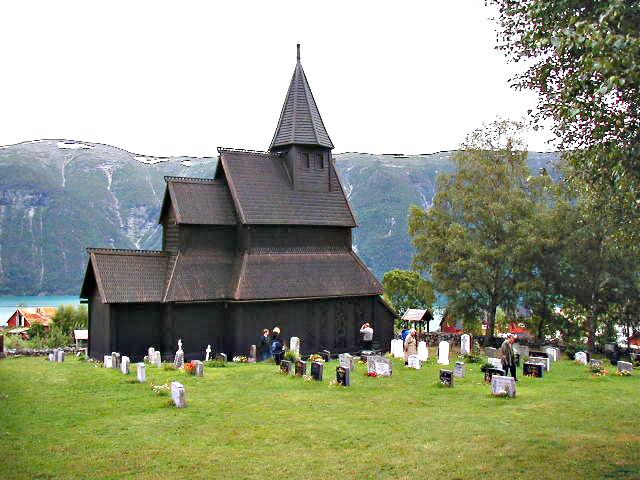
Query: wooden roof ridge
[(322, 250), (300, 115), (124, 251), (366, 269), (171, 178), (247, 151)]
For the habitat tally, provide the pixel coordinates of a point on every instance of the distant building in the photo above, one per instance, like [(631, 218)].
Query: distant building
[(418, 318), (266, 242), (24, 318)]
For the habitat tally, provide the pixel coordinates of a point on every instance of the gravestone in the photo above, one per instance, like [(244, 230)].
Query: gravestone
[(252, 354), (294, 345), (460, 370), (116, 358), (423, 351), (51, 357), (142, 372), (125, 365), (533, 370), (199, 368), (495, 362), (553, 352), (347, 361), (317, 370), (538, 353), (581, 358), (380, 365), (301, 368), (595, 363), (343, 376), (625, 366), (465, 344), (108, 361), (491, 352), (157, 358), (326, 355), (178, 360), (207, 353), (501, 385), (446, 378), (60, 356), (397, 348), (222, 357), (151, 354), (285, 367), (413, 361), (178, 395), (544, 361), (490, 372), (635, 358), (443, 353), (517, 355)]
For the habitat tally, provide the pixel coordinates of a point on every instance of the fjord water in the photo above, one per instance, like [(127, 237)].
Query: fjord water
[(9, 304)]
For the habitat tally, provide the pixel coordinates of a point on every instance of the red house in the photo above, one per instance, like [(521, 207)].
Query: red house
[(25, 318)]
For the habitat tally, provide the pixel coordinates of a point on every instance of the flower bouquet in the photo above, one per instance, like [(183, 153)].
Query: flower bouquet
[(240, 359), (161, 390), (190, 368), (372, 374)]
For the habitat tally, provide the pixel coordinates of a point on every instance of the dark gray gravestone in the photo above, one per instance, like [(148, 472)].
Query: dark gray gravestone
[(533, 370), (459, 371), (625, 366), (343, 376), (301, 368), (326, 355), (446, 378), (116, 358), (317, 371), (285, 367), (595, 362), (538, 353), (491, 352), (489, 372)]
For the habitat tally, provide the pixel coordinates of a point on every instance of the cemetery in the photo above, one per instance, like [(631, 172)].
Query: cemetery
[(217, 416)]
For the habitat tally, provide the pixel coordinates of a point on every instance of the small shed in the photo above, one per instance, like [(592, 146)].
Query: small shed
[(418, 318)]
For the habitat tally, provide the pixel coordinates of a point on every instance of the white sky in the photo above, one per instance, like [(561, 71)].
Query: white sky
[(182, 78)]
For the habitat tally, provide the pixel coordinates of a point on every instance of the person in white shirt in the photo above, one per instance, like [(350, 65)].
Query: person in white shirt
[(367, 336)]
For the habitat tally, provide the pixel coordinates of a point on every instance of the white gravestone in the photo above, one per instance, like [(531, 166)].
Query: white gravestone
[(443, 353), (460, 370), (347, 361), (157, 358), (150, 354), (178, 395), (423, 351), (465, 344), (397, 348), (142, 372), (380, 365), (125, 365), (495, 362), (60, 357), (545, 362), (178, 360), (199, 368), (503, 385), (115, 360), (207, 355), (625, 367), (581, 358), (552, 352), (413, 361), (108, 363), (51, 357), (294, 344)]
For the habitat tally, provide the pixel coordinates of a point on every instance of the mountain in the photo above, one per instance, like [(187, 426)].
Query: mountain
[(58, 197)]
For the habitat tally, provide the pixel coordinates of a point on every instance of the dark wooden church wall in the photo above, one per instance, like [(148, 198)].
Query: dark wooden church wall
[(99, 327), (171, 233), (198, 325), (135, 328), (203, 237), (267, 237)]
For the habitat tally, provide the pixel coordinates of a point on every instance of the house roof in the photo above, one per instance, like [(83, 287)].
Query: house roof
[(127, 276), (263, 194), (416, 315), (199, 201), (40, 315), (300, 121), (200, 276)]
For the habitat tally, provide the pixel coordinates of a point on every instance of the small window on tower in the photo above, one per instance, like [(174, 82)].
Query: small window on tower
[(305, 159), (320, 160)]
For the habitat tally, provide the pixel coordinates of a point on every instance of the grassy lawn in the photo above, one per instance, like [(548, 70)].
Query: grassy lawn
[(74, 420)]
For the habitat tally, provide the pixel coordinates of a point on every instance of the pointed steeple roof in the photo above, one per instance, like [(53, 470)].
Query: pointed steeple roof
[(300, 121)]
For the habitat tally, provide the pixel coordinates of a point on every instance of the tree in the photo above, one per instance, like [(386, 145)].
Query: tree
[(583, 62), (469, 241), (69, 318), (407, 289)]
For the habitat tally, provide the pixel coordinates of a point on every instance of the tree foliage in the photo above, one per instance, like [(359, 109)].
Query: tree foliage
[(407, 289), (582, 58), (69, 318)]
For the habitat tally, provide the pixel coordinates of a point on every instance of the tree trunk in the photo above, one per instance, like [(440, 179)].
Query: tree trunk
[(491, 324), (591, 328)]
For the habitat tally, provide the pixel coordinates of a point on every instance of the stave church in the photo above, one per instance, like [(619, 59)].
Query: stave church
[(265, 242)]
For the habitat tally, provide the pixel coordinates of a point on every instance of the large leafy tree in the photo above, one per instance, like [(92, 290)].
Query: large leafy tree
[(407, 289), (582, 59), (471, 240)]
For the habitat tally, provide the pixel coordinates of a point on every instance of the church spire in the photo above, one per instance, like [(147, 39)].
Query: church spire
[(300, 122)]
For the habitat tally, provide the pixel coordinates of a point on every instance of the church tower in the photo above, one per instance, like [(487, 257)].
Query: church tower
[(301, 137)]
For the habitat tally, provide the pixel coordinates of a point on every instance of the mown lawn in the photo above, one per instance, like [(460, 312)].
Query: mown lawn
[(74, 420)]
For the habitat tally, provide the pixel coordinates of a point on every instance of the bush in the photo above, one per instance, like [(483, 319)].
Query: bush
[(472, 358), (572, 348), (485, 366), (291, 355), (37, 330), (168, 366), (215, 364)]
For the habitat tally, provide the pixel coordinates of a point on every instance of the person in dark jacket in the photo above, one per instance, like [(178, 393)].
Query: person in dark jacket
[(277, 346), (508, 356), (264, 346)]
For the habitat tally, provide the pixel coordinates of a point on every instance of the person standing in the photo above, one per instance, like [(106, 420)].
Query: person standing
[(367, 336), (264, 346), (410, 345), (277, 347), (508, 356)]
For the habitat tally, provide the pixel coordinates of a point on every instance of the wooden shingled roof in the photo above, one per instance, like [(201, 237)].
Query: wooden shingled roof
[(300, 121), (199, 201)]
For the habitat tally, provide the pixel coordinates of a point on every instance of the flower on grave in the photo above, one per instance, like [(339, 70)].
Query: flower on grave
[(190, 368), (372, 374), (240, 359), (623, 373), (333, 383), (161, 389), (316, 357), (307, 378)]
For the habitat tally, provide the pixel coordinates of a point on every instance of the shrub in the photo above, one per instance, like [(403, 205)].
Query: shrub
[(571, 349), (472, 358), (168, 366), (485, 366), (291, 355), (215, 364)]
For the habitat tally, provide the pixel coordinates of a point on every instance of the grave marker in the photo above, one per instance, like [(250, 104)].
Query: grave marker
[(460, 370), (301, 368), (581, 358), (443, 353), (157, 358), (423, 351), (151, 354), (380, 365), (116, 358), (199, 368), (125, 365), (465, 344), (285, 367), (491, 352), (142, 372), (343, 376), (317, 370), (108, 361), (495, 362), (178, 395), (533, 370), (252, 354), (397, 348), (326, 355), (60, 356), (51, 357), (625, 366), (207, 353), (522, 350), (544, 361), (294, 345), (490, 372), (446, 378), (413, 361), (178, 360), (595, 363), (347, 361), (501, 385)]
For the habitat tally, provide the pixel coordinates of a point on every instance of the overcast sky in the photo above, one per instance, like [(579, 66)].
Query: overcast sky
[(182, 78)]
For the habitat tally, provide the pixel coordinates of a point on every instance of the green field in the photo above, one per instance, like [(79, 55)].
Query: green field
[(74, 420)]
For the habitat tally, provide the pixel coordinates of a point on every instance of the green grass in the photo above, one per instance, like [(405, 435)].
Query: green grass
[(74, 420)]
